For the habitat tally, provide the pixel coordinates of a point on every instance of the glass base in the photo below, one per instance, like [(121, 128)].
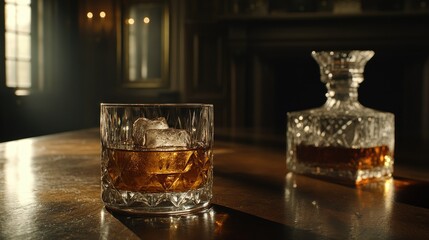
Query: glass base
[(169, 203), (142, 211), (354, 177)]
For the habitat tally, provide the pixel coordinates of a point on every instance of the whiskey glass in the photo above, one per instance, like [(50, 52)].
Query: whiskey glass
[(156, 158)]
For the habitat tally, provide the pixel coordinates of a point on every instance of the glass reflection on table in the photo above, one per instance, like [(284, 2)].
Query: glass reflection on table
[(310, 205), (217, 222)]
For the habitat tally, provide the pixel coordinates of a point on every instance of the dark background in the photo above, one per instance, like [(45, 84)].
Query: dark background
[(252, 63)]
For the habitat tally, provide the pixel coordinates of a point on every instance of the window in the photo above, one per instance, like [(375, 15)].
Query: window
[(19, 41), (146, 43)]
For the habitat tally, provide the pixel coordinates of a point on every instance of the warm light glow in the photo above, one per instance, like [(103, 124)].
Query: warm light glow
[(19, 186), (19, 172), (22, 92), (146, 20), (130, 21), (102, 14), (89, 15)]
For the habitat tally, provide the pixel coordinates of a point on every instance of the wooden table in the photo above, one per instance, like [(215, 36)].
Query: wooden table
[(50, 189)]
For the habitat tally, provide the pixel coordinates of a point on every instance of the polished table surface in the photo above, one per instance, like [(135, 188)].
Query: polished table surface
[(50, 189)]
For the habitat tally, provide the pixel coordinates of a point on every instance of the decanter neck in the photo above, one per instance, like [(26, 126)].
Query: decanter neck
[(342, 72), (340, 94), (342, 89)]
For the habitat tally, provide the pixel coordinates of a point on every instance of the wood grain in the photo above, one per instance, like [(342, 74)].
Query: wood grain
[(50, 189)]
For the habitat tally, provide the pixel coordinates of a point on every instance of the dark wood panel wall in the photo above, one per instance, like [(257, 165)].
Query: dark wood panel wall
[(275, 58), (268, 70)]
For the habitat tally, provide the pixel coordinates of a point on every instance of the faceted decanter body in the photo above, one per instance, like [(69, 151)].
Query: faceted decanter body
[(342, 140)]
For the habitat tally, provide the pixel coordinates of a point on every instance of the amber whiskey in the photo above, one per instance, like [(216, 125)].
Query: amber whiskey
[(158, 171), (344, 159)]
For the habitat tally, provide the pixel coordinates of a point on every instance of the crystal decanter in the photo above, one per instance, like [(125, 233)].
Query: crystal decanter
[(342, 140)]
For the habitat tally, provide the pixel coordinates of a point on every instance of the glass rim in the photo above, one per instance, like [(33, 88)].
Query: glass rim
[(181, 105)]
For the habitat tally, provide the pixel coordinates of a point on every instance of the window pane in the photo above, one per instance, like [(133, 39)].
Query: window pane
[(10, 45), (18, 43), (24, 74), (24, 47), (24, 20), (18, 1), (11, 73), (10, 18)]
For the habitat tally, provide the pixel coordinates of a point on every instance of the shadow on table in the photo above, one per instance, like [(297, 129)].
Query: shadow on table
[(218, 222), (412, 192)]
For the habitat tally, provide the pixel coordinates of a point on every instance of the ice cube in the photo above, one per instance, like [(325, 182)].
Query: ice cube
[(141, 125), (171, 137)]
